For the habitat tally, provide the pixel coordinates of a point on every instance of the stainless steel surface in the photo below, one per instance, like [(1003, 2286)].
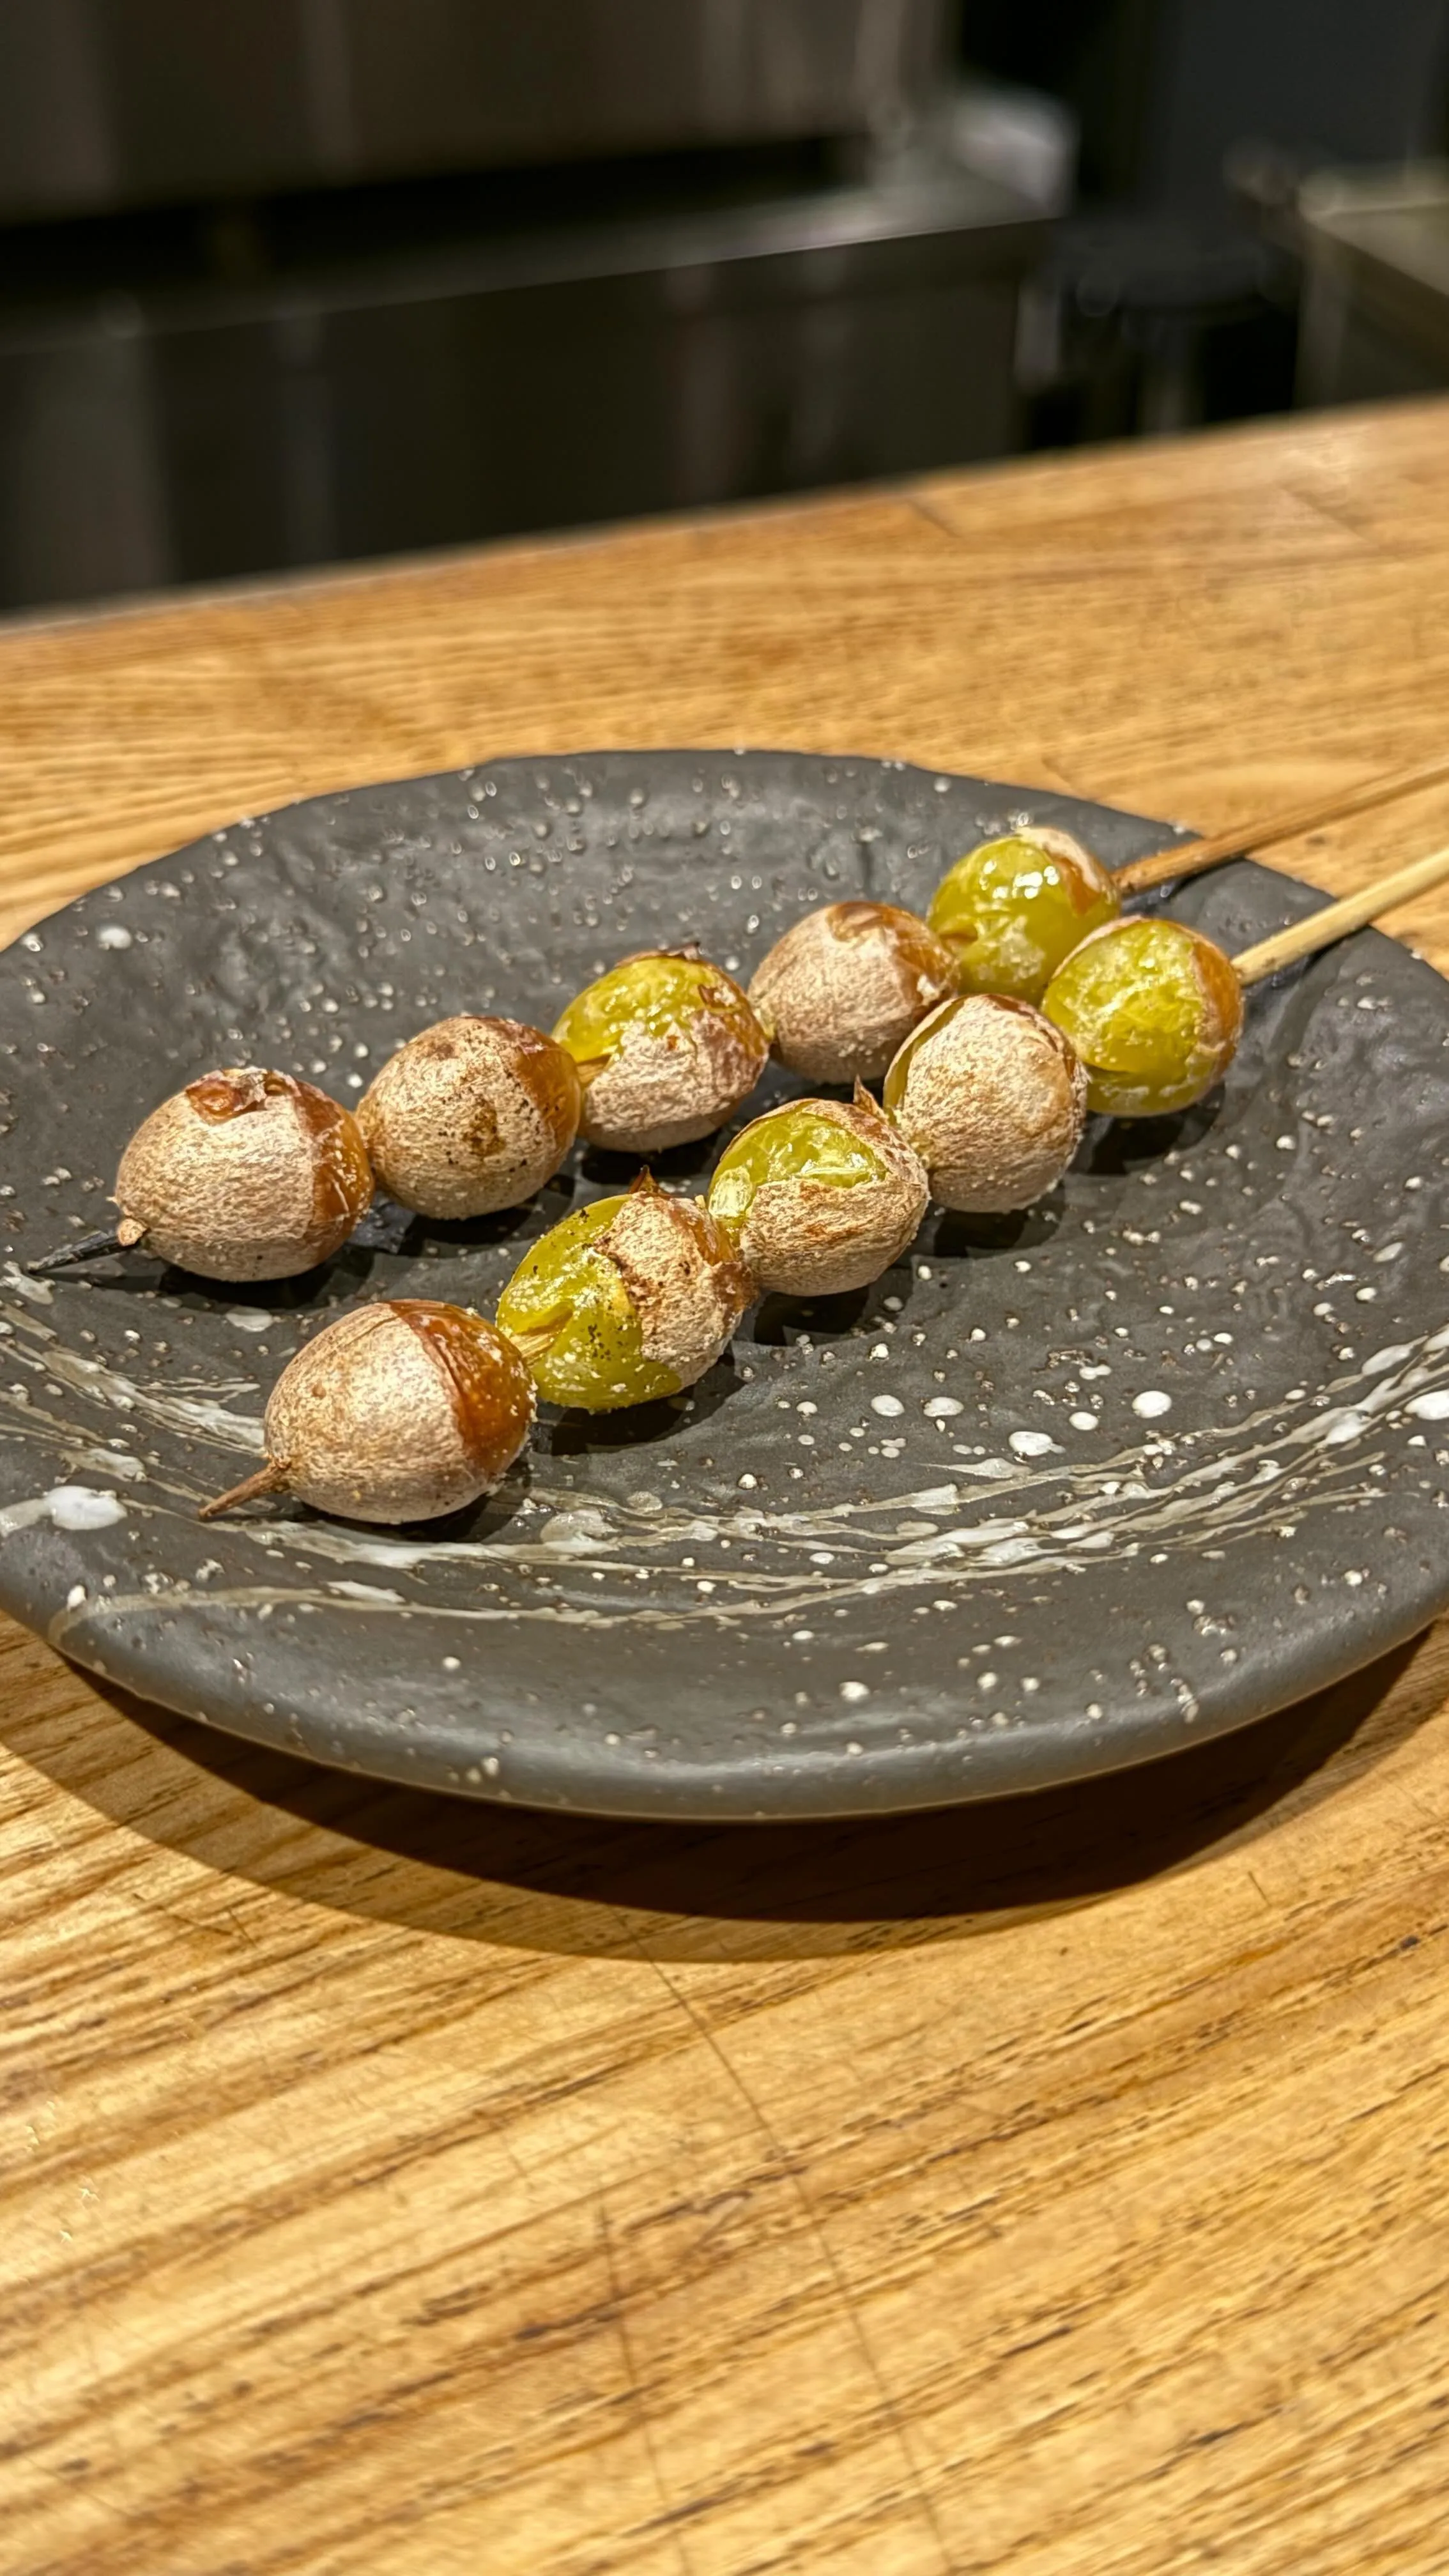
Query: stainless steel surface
[(399, 402), (107, 103)]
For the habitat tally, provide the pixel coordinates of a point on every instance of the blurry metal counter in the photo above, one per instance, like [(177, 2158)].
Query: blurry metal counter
[(383, 399), (112, 103)]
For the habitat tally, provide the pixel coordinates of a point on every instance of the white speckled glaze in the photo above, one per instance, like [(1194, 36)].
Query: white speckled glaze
[(1056, 1494)]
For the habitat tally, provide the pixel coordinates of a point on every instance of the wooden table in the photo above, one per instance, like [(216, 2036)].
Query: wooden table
[(405, 2187)]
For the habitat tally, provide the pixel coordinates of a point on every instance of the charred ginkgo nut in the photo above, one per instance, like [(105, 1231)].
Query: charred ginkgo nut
[(1154, 1010), (666, 1047), (471, 1115), (820, 1195), (844, 985), (992, 1098), (246, 1174), (397, 1412), (627, 1300), (1014, 908)]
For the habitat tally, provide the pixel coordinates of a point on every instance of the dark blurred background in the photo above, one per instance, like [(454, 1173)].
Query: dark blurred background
[(284, 282)]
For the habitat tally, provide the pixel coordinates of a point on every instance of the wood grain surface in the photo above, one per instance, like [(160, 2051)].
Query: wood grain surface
[(393, 2187)]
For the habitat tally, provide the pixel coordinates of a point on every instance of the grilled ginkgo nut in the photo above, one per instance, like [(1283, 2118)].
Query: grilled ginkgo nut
[(472, 1115), (626, 1300), (246, 1174), (1013, 909), (821, 1196), (993, 1099), (399, 1411), (666, 1046), (843, 986)]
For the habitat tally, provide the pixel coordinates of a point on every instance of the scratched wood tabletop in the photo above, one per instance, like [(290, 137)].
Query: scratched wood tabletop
[(396, 2186)]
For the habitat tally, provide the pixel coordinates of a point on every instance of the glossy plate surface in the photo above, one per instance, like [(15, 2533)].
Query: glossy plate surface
[(1057, 1495)]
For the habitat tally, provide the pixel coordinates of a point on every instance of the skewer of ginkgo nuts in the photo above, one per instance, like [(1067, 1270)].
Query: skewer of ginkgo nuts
[(1014, 908), (988, 1099), (409, 1409), (667, 1046), (1011, 910), (247, 1174)]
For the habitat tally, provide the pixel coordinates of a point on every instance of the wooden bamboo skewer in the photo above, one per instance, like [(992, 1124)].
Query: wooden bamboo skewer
[(1161, 867), (1335, 921)]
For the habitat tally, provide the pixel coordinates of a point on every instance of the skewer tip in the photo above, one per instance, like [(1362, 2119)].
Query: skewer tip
[(270, 1479), (87, 1247)]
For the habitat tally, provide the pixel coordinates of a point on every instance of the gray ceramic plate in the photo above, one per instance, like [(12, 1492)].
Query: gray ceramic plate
[(1057, 1495)]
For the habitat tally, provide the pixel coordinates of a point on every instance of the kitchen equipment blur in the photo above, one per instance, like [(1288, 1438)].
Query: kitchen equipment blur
[(1375, 321), (107, 103), (310, 279)]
